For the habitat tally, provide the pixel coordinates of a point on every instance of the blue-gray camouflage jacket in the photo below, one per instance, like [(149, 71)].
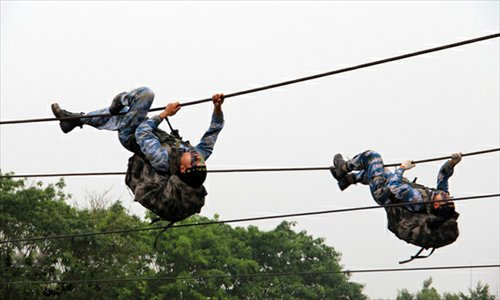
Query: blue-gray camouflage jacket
[(403, 190), (158, 156)]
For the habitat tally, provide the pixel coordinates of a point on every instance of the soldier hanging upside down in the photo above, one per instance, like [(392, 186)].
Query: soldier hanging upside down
[(429, 225), (165, 173)]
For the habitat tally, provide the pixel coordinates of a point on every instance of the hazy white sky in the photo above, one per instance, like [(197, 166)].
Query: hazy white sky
[(83, 53)]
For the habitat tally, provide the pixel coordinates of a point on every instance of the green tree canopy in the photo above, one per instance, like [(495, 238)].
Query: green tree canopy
[(480, 292), (187, 252)]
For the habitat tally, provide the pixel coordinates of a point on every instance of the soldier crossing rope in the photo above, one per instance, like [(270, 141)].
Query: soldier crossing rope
[(166, 174)]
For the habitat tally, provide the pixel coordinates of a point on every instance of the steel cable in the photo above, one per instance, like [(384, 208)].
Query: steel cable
[(33, 239), (290, 169), (365, 65), (262, 274)]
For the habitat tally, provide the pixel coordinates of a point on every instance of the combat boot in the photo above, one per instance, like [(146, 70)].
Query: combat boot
[(340, 167), (67, 124), (117, 105), (346, 181)]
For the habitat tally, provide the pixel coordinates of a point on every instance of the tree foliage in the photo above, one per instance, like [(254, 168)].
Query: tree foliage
[(188, 253), (480, 292)]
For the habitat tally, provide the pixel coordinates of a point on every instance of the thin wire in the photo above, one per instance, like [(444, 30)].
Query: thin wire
[(32, 239), (278, 274), (365, 65), (291, 169)]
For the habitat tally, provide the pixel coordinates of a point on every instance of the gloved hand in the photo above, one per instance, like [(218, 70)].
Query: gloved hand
[(407, 164), (455, 158)]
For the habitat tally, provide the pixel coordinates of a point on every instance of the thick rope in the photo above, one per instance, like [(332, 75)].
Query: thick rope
[(267, 87), (54, 237), (291, 169), (262, 274)]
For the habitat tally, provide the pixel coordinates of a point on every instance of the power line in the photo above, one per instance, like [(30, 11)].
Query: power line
[(290, 169), (365, 65), (32, 239), (262, 274)]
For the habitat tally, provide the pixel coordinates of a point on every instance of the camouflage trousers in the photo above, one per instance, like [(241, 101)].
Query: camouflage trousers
[(371, 172), (137, 104)]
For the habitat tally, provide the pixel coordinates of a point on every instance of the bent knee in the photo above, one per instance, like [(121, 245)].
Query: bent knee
[(371, 154), (146, 92), (143, 93)]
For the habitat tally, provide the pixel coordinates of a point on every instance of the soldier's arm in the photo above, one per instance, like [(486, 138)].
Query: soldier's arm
[(206, 145), (148, 141), (446, 172), (405, 192), (402, 190), (150, 145), (399, 172), (406, 165)]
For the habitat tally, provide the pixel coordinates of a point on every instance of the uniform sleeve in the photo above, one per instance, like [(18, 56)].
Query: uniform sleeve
[(399, 173), (149, 144), (445, 173), (405, 192), (207, 142)]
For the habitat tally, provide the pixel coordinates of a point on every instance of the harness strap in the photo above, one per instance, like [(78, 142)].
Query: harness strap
[(417, 256), (155, 220), (172, 142), (161, 232), (173, 132)]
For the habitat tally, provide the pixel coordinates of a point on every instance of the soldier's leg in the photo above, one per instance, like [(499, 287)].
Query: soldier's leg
[(361, 177), (135, 109), (371, 165), (368, 161), (136, 106), (127, 139)]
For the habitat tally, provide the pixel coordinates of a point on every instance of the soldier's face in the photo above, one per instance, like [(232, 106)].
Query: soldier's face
[(439, 197), (190, 159)]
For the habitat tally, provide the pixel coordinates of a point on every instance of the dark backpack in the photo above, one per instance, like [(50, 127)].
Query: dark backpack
[(164, 194), (422, 229)]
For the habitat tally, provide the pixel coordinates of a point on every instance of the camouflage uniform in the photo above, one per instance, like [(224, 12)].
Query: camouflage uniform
[(157, 155), (137, 133), (385, 184)]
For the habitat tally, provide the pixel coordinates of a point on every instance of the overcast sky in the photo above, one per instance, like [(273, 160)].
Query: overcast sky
[(81, 54)]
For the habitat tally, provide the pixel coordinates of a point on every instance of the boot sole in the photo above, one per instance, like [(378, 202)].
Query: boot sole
[(56, 110), (338, 166)]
